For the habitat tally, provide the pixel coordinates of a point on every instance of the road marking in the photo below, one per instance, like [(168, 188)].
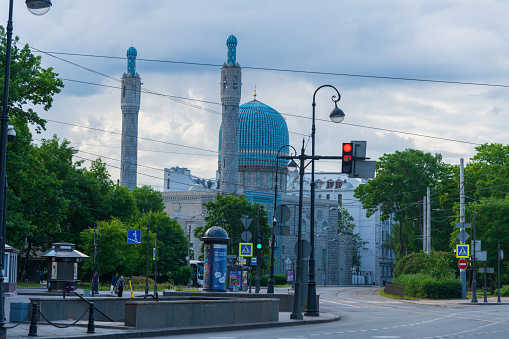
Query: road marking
[(386, 336)]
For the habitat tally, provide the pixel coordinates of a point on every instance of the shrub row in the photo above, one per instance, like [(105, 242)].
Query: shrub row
[(422, 285), (504, 291), (279, 279)]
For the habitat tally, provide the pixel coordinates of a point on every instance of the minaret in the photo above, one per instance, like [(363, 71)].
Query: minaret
[(230, 98), (130, 104)]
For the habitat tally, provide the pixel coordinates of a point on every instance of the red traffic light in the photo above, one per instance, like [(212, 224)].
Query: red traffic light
[(347, 148)]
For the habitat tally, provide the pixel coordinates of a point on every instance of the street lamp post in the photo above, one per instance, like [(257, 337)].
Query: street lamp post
[(297, 300), (270, 283), (37, 7), (337, 115)]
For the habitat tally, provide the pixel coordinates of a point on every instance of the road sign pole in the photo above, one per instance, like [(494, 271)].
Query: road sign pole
[(474, 279), (463, 272), (485, 299), (498, 252)]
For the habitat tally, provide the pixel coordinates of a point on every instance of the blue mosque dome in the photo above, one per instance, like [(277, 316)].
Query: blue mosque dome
[(262, 132), (132, 52)]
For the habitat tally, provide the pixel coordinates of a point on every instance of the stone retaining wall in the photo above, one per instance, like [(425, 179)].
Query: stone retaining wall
[(395, 289), (162, 314)]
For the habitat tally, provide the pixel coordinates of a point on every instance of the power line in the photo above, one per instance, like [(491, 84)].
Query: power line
[(380, 77)]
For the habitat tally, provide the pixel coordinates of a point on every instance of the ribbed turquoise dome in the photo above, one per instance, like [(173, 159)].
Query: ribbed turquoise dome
[(132, 52), (262, 132), (231, 40)]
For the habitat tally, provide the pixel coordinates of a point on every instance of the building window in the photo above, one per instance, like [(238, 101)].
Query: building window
[(270, 180), (330, 184), (258, 180), (319, 196), (324, 227), (245, 179), (168, 183), (303, 227), (324, 259), (328, 196), (318, 184), (338, 184)]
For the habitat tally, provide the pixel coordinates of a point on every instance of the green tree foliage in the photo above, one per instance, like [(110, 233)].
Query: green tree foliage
[(30, 84), (182, 275), (148, 199), (397, 190), (346, 225), (226, 212)]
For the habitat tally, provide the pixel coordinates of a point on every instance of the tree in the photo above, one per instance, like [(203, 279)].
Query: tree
[(400, 183), (148, 199), (346, 225), (30, 84), (226, 212)]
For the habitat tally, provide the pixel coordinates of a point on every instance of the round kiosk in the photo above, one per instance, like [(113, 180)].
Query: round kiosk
[(215, 243)]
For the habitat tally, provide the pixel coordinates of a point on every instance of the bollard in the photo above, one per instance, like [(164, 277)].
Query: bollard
[(91, 325), (33, 324)]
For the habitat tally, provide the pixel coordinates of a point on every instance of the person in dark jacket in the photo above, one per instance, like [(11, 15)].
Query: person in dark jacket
[(114, 283), (120, 286)]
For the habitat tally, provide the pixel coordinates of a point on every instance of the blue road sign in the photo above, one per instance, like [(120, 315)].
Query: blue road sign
[(245, 249), (462, 251), (134, 236)]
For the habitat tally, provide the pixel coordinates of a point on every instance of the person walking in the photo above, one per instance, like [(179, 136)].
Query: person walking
[(114, 283), (120, 286)]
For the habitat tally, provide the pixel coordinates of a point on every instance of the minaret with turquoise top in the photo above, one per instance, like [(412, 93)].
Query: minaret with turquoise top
[(231, 76), (130, 104)]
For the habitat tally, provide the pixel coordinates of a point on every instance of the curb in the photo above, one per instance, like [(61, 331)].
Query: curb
[(194, 330)]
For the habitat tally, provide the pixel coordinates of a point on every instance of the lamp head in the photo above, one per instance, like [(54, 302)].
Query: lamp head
[(337, 115), (292, 166), (38, 7)]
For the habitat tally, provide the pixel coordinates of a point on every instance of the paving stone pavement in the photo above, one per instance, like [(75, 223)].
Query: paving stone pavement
[(119, 330)]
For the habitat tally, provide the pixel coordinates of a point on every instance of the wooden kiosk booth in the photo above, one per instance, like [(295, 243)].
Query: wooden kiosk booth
[(63, 261)]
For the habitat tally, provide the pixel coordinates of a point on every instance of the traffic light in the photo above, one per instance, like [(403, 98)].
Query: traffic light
[(347, 161), (259, 243)]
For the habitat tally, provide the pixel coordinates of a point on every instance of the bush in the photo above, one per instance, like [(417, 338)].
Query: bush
[(279, 279), (422, 285), (437, 264), (182, 276), (504, 291)]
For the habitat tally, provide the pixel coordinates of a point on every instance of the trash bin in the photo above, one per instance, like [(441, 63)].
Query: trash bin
[(19, 312), (70, 287)]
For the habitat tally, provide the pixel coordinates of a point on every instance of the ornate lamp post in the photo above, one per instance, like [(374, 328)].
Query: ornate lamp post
[(37, 7), (337, 116), (270, 283)]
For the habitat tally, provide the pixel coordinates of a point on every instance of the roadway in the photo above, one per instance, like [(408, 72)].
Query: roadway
[(365, 314)]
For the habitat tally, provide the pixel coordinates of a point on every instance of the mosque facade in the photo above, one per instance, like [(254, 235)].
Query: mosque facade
[(250, 137)]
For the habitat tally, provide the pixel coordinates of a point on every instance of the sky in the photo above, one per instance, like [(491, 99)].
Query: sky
[(287, 50)]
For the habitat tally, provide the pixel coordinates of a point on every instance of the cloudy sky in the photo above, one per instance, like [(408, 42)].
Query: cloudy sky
[(360, 47)]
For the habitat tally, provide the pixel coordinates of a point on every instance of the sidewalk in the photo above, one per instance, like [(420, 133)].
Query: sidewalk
[(491, 301), (119, 330)]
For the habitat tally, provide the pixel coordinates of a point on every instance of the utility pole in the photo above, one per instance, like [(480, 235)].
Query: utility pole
[(94, 249), (189, 247), (148, 251), (155, 268), (424, 225), (428, 222), (498, 251), (258, 251), (474, 279), (463, 272)]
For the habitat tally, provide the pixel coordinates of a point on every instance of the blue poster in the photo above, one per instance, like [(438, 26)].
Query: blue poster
[(207, 266), (219, 267)]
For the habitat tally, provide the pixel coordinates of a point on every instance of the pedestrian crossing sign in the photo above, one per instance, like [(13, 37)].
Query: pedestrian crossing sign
[(245, 249), (462, 251)]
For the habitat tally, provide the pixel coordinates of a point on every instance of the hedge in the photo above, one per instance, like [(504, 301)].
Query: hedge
[(425, 286)]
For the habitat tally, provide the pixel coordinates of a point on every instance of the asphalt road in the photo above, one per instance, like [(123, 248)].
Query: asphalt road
[(365, 314)]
